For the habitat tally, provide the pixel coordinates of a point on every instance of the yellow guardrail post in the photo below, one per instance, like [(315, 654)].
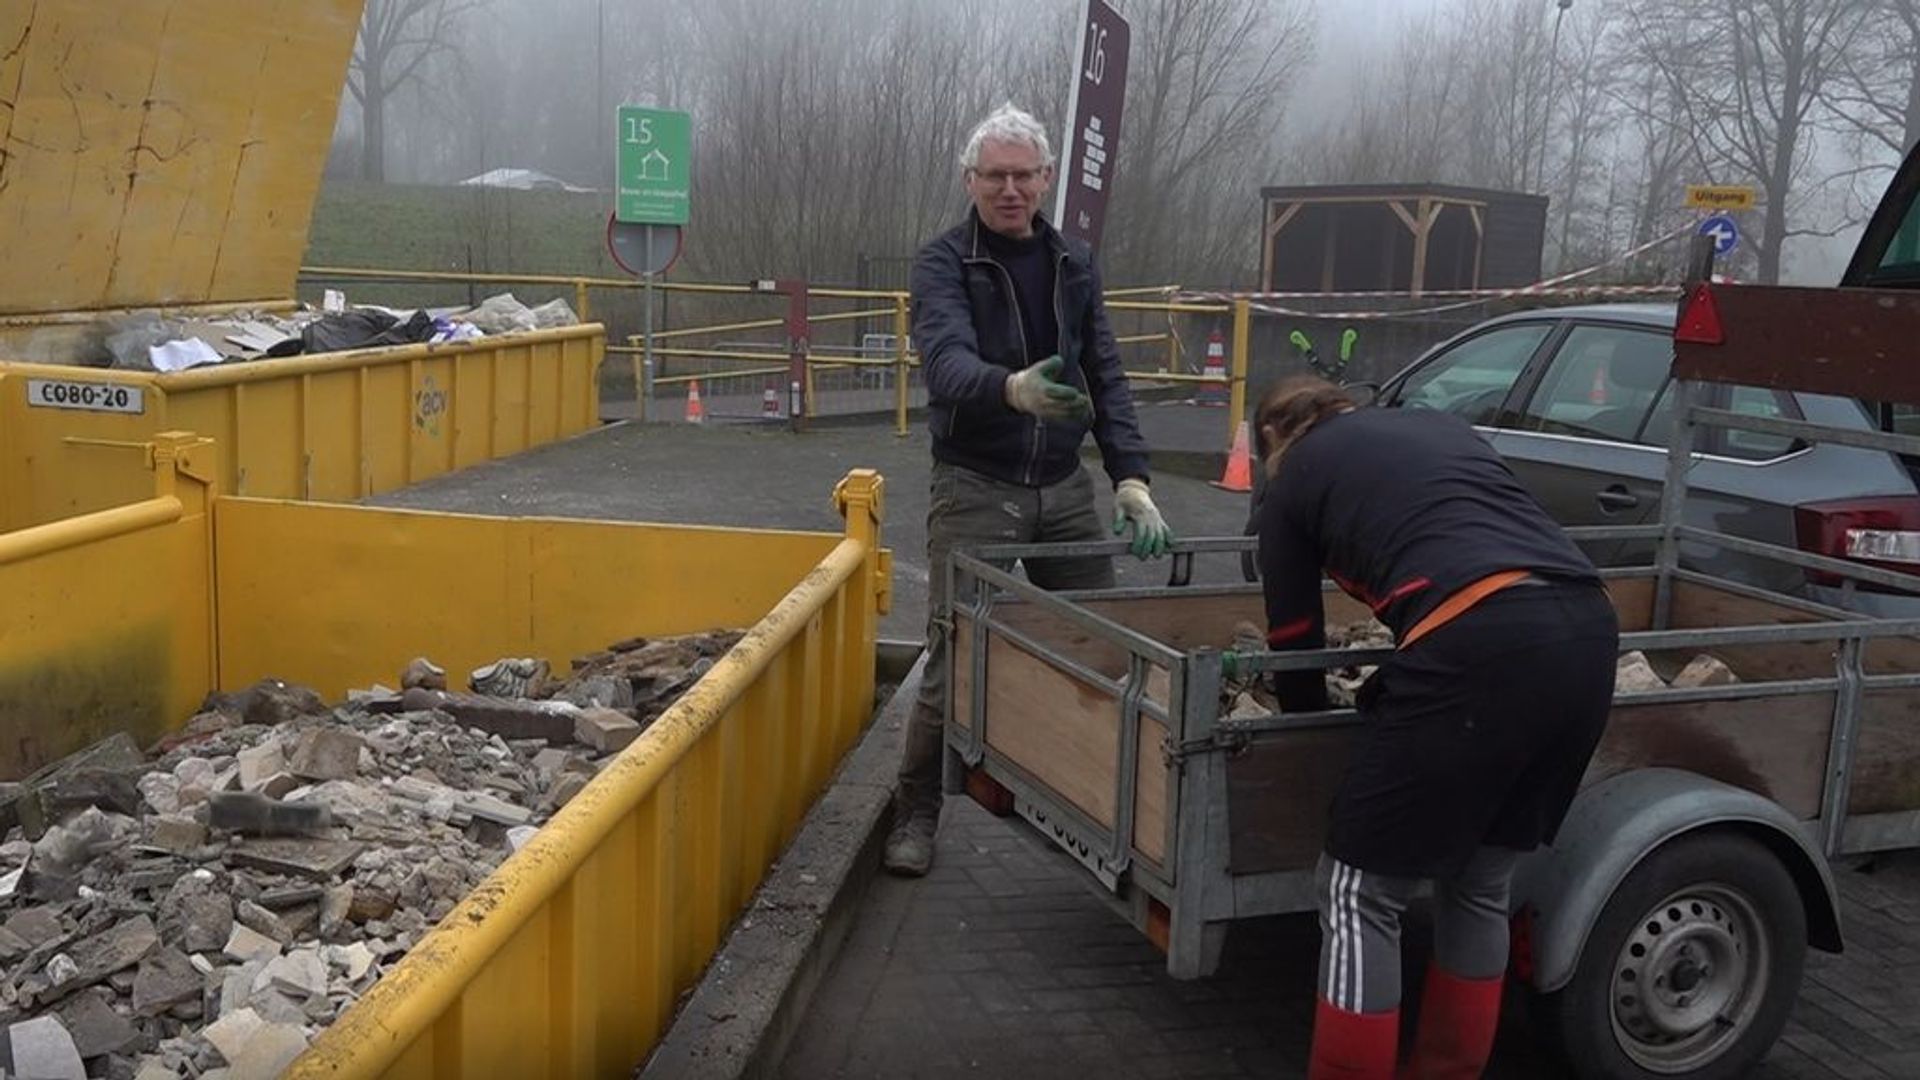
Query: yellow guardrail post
[(900, 365), (580, 301), (1242, 343)]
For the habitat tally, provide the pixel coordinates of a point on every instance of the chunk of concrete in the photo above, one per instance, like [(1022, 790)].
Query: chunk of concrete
[(566, 788), (96, 1029), (320, 860), (43, 1050), (198, 913), (231, 1033), (176, 833), (605, 730), (245, 943), (487, 808), (267, 703), (327, 753), (166, 978), (354, 959), (1704, 670), (423, 674), (36, 926), (259, 763), (95, 958), (299, 973), (268, 1053), (1634, 675)]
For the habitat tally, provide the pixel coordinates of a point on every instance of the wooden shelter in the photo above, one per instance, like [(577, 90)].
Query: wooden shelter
[(1410, 238)]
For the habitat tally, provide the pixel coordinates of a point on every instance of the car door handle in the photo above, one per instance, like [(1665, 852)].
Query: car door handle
[(1616, 497)]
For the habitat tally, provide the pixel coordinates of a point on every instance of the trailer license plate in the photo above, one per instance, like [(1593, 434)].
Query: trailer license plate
[(91, 397)]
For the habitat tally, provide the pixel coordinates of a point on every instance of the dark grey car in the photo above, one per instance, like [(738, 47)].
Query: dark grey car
[(1579, 402)]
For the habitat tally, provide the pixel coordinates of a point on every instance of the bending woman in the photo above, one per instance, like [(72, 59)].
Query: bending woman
[(1477, 730)]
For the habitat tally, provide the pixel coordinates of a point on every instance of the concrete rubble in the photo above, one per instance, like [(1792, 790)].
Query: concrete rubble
[(1250, 696), (207, 909)]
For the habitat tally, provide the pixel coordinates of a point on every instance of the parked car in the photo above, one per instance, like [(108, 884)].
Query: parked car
[(1579, 402)]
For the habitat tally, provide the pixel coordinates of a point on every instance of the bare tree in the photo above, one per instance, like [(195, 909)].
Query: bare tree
[(397, 37), (1876, 90), (1748, 76), (1206, 85)]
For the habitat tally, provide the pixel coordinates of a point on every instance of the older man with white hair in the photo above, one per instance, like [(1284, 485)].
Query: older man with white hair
[(1020, 365)]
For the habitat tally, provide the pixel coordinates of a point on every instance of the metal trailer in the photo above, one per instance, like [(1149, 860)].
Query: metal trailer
[(1664, 931)]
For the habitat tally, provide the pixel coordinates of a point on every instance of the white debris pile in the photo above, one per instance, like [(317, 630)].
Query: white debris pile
[(205, 911), (154, 341), (1250, 695)]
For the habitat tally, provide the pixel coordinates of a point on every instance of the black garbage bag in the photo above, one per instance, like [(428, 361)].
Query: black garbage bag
[(364, 330)]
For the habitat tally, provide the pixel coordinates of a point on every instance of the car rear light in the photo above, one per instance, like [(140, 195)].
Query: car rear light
[(1882, 532)]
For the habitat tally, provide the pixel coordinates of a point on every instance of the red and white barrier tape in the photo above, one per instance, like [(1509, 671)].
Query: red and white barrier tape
[(1553, 286)]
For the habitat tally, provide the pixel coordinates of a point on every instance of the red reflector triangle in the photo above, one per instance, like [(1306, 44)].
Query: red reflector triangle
[(1700, 322)]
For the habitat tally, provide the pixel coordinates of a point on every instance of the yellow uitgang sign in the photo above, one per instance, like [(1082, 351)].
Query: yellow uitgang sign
[(1720, 196)]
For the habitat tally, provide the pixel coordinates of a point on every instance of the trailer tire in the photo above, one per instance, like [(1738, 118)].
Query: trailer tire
[(1691, 969)]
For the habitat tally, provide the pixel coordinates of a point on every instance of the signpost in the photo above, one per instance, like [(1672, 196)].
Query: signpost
[(652, 185), (1726, 234), (1093, 123), (1720, 197)]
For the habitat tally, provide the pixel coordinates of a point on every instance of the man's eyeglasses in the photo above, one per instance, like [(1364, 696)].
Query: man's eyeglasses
[(1020, 177)]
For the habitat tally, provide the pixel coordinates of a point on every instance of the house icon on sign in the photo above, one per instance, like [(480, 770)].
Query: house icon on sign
[(654, 166)]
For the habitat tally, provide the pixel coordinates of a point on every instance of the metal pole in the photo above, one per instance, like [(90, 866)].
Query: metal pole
[(645, 387), (900, 366), (799, 344), (1242, 343), (1553, 71)]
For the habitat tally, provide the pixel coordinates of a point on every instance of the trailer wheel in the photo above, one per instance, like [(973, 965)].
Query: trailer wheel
[(1692, 967)]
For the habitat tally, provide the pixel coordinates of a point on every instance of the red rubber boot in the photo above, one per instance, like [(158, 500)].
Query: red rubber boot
[(1353, 1046), (1458, 1018)]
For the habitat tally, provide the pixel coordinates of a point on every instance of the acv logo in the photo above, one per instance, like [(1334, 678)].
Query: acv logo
[(429, 403)]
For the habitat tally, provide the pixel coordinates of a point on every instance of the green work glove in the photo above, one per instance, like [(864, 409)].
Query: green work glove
[(1037, 391), (1133, 505)]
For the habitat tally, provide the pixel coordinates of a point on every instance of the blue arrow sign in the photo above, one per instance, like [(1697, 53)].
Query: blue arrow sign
[(1726, 235)]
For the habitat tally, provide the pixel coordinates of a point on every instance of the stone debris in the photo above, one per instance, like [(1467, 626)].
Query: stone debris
[(1635, 675), (206, 911), (42, 1050), (1249, 695), (423, 674), (1704, 670), (259, 764), (327, 754), (606, 730), (245, 943), (515, 677)]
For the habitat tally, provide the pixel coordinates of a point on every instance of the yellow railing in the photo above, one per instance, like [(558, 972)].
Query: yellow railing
[(568, 960), (1141, 299)]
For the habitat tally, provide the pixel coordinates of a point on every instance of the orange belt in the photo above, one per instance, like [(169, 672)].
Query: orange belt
[(1460, 602)]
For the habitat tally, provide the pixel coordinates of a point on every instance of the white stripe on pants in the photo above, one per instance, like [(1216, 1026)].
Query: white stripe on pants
[(1360, 927)]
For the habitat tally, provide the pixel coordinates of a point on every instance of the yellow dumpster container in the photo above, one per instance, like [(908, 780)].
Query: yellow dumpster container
[(165, 155)]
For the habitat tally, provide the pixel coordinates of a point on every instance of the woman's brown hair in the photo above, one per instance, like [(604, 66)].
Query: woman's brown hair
[(1290, 410)]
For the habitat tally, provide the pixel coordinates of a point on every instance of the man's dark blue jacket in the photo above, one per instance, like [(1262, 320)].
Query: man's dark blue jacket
[(967, 327)]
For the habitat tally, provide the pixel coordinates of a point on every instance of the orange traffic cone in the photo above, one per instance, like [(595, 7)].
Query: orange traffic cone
[(1239, 474), (696, 413)]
